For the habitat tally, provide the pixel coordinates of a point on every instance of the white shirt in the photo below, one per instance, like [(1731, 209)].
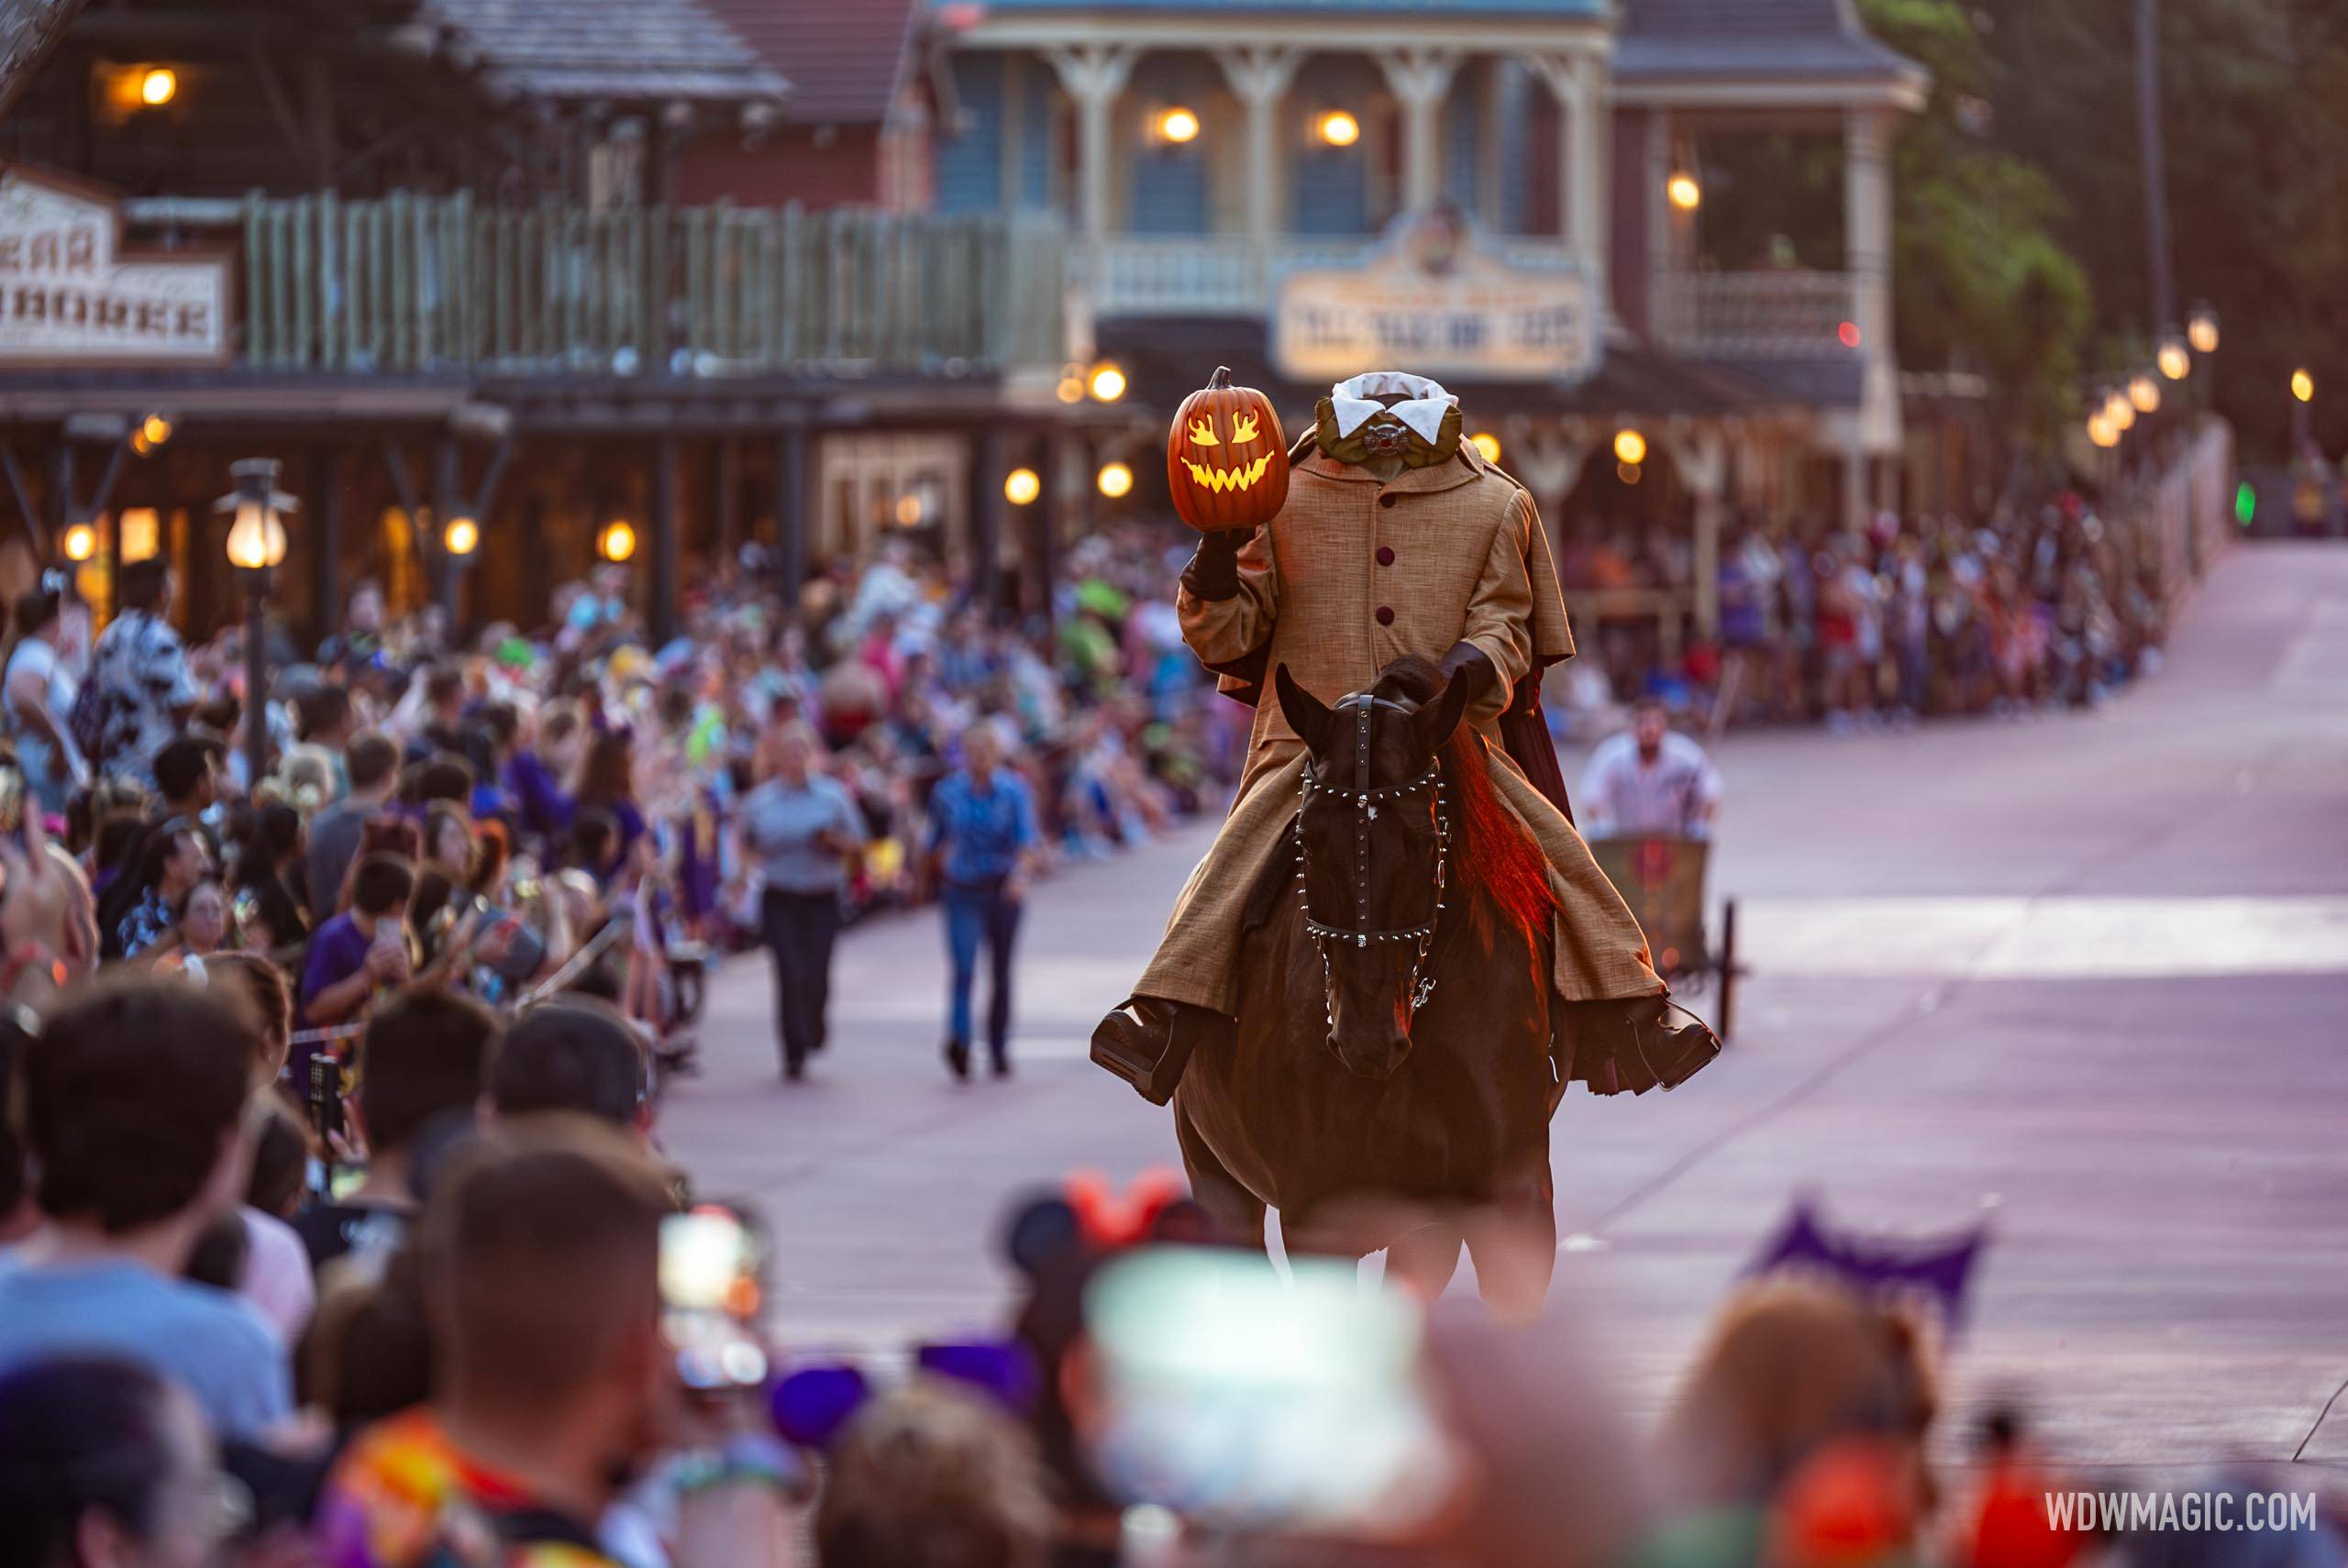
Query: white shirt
[(1623, 797)]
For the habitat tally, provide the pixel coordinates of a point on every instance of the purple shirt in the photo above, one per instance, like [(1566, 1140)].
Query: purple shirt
[(338, 952)]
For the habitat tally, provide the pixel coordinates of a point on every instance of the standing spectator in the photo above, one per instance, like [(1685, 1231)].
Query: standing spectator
[(203, 925), (373, 764), (266, 878), (142, 690), (1649, 780), (539, 771), (573, 1054), (801, 827), (607, 784), (41, 685), (541, 1285), (981, 839), (174, 861), (929, 1474), (133, 1107), (102, 1461), (362, 948), (421, 1059)]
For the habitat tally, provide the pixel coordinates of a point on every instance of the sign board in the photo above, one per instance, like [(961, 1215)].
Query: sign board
[(1433, 302), (71, 295)]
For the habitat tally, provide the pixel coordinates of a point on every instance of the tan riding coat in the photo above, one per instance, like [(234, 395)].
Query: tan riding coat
[(1353, 574)]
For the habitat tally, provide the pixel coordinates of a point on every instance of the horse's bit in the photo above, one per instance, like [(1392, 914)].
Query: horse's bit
[(1365, 802)]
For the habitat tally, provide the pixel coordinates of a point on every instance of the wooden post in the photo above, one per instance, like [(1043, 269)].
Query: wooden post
[(986, 519), (665, 553), (325, 501), (791, 512)]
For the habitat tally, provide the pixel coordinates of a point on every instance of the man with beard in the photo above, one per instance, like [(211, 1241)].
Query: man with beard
[(1650, 780)]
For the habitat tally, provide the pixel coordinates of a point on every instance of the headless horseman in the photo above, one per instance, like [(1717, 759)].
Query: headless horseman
[(1397, 538)]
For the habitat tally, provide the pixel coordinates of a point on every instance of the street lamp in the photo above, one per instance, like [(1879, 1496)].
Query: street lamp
[(256, 547), (2201, 329)]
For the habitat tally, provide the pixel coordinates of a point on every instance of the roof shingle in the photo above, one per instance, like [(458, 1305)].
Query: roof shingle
[(608, 48), (1682, 39), (845, 58)]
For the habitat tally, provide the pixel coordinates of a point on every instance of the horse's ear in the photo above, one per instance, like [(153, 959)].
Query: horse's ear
[(1431, 725), (1306, 715)]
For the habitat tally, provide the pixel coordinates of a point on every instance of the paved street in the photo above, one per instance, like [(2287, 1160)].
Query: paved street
[(2086, 975)]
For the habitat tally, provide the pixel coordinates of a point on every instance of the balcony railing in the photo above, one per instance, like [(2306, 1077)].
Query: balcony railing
[(1756, 315), (416, 283), (1226, 275)]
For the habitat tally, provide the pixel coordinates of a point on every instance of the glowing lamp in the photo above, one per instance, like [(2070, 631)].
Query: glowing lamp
[(616, 542), (155, 430), (257, 536), (2303, 386), (2100, 432), (1685, 191), (1630, 447), (1022, 486), (1487, 445), (909, 510), (80, 542), (158, 85), (1177, 125), (2201, 329), (1115, 480), (2118, 412), (1338, 128), (463, 536), (2175, 362), (2144, 393), (1108, 382)]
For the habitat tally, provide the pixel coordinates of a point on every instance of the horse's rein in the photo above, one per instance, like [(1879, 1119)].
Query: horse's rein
[(1365, 802)]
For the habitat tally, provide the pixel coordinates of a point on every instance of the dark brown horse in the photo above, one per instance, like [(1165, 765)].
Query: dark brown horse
[(1390, 1082)]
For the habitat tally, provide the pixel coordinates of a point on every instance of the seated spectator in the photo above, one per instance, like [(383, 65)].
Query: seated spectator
[(931, 1474), (540, 1278), (573, 1054), (373, 763), (420, 1060), (133, 1103), (103, 1462), (362, 948)]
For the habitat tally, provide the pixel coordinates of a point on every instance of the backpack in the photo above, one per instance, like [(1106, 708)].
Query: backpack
[(87, 721)]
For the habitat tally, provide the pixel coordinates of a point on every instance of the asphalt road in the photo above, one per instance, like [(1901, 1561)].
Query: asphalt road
[(2082, 974)]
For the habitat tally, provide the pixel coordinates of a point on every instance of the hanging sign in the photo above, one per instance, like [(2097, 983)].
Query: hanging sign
[(71, 295)]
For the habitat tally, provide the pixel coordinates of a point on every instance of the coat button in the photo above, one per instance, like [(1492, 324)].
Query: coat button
[(1386, 615), (1386, 500), (1385, 555)]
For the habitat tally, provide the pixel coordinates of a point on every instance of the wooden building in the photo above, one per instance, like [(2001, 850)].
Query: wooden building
[(450, 263)]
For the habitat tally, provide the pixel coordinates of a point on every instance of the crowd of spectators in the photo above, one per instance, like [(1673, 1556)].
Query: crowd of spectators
[(2052, 605)]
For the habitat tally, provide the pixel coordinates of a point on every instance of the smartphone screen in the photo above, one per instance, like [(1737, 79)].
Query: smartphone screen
[(710, 1296), (1240, 1399)]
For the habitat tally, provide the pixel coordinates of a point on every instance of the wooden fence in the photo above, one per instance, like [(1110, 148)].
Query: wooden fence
[(422, 284)]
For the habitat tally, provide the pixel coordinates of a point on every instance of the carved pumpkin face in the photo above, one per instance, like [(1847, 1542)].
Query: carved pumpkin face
[(1226, 462)]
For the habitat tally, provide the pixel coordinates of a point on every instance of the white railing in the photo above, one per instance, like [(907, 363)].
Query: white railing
[(1756, 315), (1226, 275)]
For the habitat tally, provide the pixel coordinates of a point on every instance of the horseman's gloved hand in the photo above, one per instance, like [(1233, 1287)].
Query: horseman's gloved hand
[(1214, 571), (1467, 662)]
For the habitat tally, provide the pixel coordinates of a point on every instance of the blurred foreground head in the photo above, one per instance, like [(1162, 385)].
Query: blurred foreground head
[(103, 1462), (930, 1476), (1810, 1395)]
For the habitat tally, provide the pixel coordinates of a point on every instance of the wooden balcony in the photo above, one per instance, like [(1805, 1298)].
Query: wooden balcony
[(422, 284), (1756, 315), (1133, 275)]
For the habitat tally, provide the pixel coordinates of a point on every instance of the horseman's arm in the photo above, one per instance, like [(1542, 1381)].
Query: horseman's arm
[(1499, 627), (1228, 594)]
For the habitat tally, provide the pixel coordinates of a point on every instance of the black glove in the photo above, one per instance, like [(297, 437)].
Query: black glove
[(1467, 662), (1214, 571)]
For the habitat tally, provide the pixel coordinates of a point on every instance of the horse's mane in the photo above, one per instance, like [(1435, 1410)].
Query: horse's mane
[(1491, 851)]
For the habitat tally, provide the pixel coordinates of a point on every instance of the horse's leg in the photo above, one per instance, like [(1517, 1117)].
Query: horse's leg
[(1514, 1243), (1423, 1258), (1236, 1212)]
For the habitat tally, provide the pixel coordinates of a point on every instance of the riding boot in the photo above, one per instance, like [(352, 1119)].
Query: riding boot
[(1636, 1043), (1148, 1042)]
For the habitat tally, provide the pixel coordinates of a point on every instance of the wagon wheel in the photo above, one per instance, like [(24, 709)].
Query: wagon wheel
[(1727, 965)]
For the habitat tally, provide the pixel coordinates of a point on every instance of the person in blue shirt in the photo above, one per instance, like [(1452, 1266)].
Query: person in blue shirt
[(982, 840), (801, 829)]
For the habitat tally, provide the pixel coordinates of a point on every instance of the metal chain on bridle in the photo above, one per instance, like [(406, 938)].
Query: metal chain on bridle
[(1366, 800)]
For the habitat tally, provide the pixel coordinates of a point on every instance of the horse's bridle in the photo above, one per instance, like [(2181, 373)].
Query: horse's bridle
[(1361, 934)]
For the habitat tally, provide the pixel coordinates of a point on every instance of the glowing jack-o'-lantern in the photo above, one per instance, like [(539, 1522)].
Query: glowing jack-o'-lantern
[(1226, 462)]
